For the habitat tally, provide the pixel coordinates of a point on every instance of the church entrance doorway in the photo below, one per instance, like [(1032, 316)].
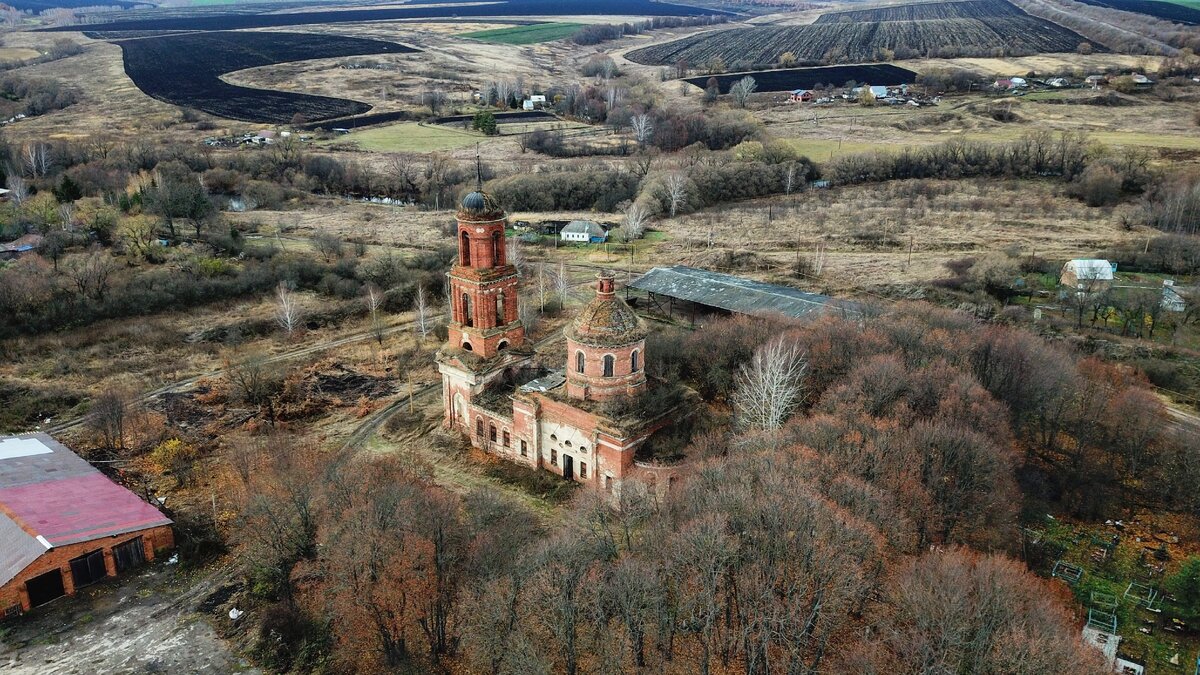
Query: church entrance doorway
[(568, 467)]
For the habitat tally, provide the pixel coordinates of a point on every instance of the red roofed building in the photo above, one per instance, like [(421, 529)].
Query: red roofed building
[(65, 525)]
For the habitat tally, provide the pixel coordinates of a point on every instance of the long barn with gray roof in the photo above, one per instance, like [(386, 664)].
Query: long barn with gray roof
[(738, 295)]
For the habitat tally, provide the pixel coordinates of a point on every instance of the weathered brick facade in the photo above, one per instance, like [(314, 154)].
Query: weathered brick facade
[(545, 430), (14, 594)]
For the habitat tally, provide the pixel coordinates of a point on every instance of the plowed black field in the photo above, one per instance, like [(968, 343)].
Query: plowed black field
[(185, 70)]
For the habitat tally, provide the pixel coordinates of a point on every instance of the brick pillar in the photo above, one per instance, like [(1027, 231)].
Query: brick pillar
[(68, 579)]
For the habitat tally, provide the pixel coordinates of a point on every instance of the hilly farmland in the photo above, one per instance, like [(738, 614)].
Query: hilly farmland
[(947, 29), (186, 69)]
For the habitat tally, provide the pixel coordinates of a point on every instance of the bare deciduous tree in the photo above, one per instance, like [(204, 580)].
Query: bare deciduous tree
[(675, 186), (741, 90), (643, 128), (635, 221), (769, 387), (562, 285), (90, 272), (287, 308), (36, 157), (108, 415), (374, 298), (18, 188), (435, 98), (422, 320)]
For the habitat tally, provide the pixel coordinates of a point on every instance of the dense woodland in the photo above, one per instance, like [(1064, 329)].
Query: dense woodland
[(873, 531)]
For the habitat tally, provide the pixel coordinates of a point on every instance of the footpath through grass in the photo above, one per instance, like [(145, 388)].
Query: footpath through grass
[(526, 35)]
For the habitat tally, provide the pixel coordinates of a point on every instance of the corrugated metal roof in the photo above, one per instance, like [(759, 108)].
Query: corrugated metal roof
[(18, 549), (49, 492), (738, 294)]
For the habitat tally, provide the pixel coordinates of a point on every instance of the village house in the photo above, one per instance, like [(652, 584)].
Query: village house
[(586, 231), (800, 96), (1088, 275), (64, 525), (548, 419)]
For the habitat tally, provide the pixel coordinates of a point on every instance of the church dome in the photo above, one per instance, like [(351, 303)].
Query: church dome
[(479, 203), (607, 320)]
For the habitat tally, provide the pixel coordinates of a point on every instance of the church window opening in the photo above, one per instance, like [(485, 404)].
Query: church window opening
[(608, 483), (633, 361), (500, 310), (579, 360), (583, 469), (524, 449), (479, 427), (465, 247), (507, 441), (466, 310), (608, 365), (492, 433), (497, 249), (553, 457)]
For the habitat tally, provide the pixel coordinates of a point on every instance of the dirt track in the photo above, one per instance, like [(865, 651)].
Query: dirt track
[(145, 623)]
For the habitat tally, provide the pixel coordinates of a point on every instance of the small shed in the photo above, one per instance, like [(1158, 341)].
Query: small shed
[(800, 96), (1172, 300), (1087, 274), (586, 231), (21, 246)]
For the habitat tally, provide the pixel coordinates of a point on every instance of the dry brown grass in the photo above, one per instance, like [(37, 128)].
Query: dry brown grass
[(866, 230)]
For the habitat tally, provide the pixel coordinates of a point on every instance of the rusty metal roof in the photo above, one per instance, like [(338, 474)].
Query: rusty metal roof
[(49, 496), (738, 294)]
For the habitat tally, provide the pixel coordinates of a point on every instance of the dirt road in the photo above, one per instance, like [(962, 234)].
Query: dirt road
[(144, 623)]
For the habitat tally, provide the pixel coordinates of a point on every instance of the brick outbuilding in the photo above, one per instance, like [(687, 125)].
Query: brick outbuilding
[(65, 525)]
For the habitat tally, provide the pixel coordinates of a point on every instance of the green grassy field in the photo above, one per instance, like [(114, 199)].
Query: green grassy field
[(526, 35), (410, 137)]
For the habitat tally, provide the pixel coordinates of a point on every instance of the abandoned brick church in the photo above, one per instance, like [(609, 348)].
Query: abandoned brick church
[(548, 419)]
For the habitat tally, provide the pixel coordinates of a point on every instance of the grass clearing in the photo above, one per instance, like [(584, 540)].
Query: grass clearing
[(410, 137), (526, 35), (823, 149)]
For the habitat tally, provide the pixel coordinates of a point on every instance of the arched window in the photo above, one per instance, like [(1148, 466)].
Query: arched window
[(465, 248), (479, 427), (502, 346), (497, 249), (492, 433), (608, 365), (467, 320), (500, 310), (633, 361), (579, 362), (467, 347)]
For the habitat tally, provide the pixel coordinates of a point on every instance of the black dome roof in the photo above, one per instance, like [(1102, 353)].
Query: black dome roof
[(480, 203)]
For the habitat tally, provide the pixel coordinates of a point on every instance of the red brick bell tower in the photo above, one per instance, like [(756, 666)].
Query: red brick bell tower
[(485, 336), (483, 314)]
